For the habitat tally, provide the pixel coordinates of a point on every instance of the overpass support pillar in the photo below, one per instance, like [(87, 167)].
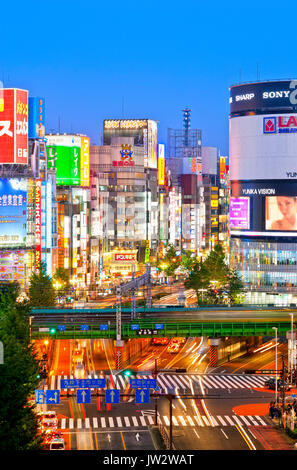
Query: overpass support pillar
[(214, 351), (119, 348)]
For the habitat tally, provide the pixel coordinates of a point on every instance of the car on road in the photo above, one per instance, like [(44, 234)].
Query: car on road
[(79, 371), (270, 383)]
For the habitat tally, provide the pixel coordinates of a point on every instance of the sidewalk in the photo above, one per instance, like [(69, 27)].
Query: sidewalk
[(271, 437)]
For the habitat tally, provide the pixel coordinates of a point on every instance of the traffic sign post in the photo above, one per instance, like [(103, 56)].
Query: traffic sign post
[(39, 397), (142, 396), (143, 383), (52, 397), (82, 383), (112, 396), (83, 396)]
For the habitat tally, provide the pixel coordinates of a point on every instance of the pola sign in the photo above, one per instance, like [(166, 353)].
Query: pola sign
[(13, 126)]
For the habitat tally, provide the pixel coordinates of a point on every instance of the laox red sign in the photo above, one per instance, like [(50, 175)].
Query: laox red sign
[(280, 124)]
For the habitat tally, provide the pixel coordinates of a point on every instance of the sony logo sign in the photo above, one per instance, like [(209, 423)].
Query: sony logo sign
[(292, 95)]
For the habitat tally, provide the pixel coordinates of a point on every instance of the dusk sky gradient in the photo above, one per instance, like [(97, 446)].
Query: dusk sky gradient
[(87, 58)]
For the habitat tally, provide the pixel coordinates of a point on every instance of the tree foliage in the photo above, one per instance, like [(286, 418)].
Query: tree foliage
[(18, 376), (41, 290), (212, 279), (61, 276)]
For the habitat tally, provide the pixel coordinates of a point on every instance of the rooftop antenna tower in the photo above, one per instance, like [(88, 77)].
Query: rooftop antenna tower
[(186, 125)]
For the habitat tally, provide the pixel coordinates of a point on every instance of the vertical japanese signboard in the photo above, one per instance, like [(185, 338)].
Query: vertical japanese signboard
[(36, 118), (85, 161), (13, 126), (37, 223), (161, 164)]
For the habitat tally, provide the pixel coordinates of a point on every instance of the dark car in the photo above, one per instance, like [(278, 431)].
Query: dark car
[(280, 385), (270, 381)]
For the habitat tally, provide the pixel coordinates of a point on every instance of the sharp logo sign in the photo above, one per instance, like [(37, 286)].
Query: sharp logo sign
[(280, 124)]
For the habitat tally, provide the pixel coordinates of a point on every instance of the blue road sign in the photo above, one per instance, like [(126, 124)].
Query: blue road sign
[(112, 396), (143, 383), (39, 397), (61, 327), (84, 327), (83, 396), (52, 397), (82, 383), (135, 327), (159, 326), (103, 327), (142, 396)]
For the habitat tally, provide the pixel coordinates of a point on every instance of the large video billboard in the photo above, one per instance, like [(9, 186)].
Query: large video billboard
[(263, 96), (13, 126), (64, 154), (281, 213), (240, 213), (13, 212)]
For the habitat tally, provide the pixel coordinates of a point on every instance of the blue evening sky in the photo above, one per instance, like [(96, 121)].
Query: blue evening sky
[(87, 58)]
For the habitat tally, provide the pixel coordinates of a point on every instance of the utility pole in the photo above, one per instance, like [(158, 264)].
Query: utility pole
[(156, 400)]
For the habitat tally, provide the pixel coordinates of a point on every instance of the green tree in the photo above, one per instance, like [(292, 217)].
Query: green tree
[(235, 286), (61, 277), (41, 290), (198, 279), (18, 376), (188, 261), (171, 260)]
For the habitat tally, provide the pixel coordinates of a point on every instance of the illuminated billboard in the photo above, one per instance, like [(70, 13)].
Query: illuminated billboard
[(85, 162), (64, 154), (13, 212), (263, 147), (161, 164), (36, 118), (240, 213), (12, 265), (144, 132), (13, 126), (281, 213)]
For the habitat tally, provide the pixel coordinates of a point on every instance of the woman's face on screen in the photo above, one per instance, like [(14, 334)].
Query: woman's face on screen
[(287, 206)]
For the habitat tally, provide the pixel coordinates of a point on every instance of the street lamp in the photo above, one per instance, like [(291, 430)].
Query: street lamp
[(275, 328)]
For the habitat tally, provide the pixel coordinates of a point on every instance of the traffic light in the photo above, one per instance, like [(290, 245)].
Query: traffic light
[(52, 331), (127, 373), (38, 376)]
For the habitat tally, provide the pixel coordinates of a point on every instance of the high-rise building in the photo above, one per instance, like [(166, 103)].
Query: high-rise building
[(263, 207)]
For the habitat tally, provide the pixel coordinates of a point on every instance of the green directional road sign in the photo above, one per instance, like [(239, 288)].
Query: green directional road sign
[(52, 397), (83, 396), (112, 396), (142, 396)]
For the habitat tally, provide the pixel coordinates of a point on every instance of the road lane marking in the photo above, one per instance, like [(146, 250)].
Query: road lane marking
[(63, 423), (79, 423), (222, 421), (127, 422), (224, 434), (71, 423), (87, 423), (95, 423), (229, 420), (124, 445), (103, 423), (119, 421), (190, 421), (111, 423)]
